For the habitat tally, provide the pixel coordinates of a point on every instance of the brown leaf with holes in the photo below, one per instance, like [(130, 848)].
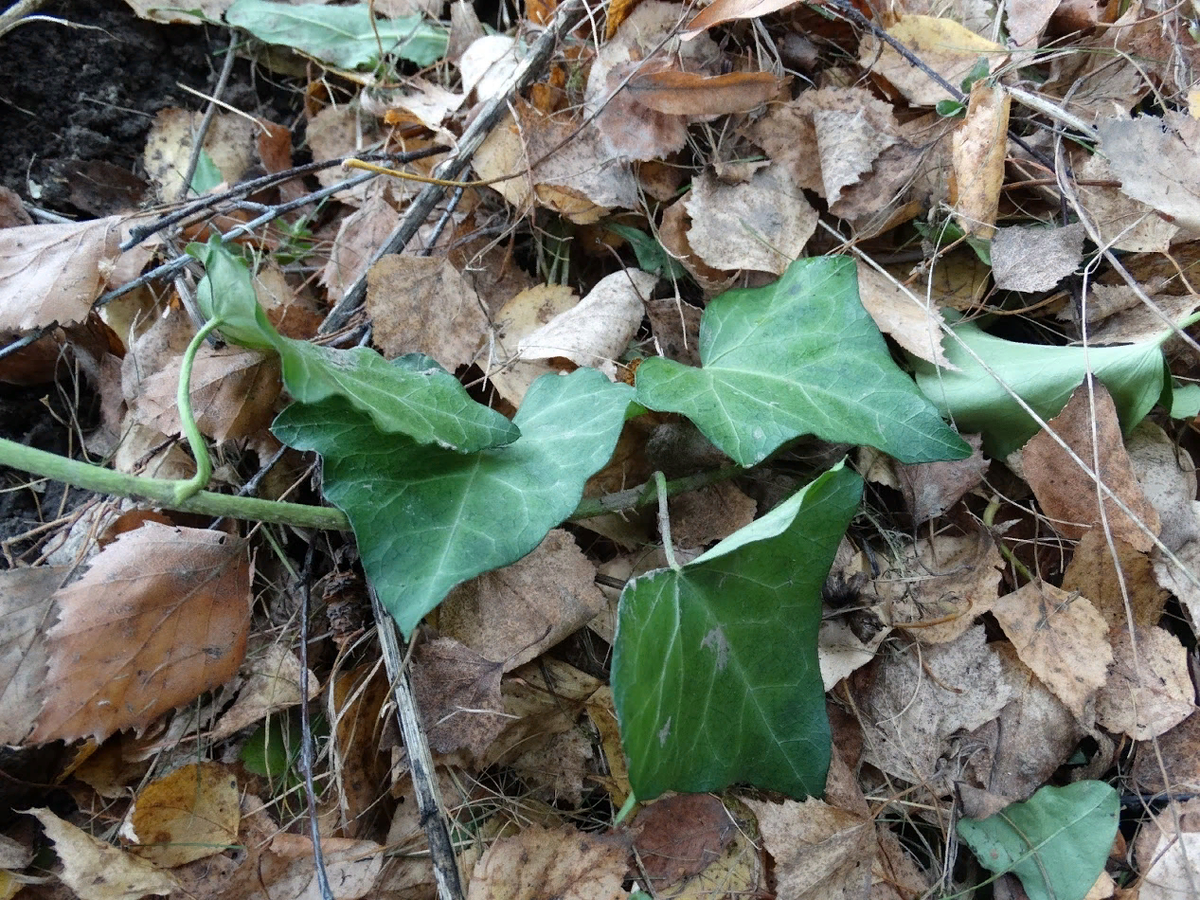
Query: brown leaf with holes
[(1066, 494), (692, 94), (458, 693), (543, 863), (1062, 638), (161, 617)]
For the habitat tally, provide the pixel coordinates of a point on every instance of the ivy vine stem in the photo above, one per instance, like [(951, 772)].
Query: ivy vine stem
[(184, 490)]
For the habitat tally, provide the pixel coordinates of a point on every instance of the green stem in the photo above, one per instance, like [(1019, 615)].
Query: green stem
[(183, 397), (664, 519), (162, 491), (989, 518), (647, 494)]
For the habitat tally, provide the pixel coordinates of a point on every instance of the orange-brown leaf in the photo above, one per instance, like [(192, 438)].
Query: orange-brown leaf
[(161, 617), (727, 10), (690, 94)]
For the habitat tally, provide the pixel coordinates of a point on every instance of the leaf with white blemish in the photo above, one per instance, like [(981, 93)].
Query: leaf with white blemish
[(715, 675)]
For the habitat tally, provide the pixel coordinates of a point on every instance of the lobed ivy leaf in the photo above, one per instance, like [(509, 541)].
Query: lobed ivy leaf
[(412, 395), (348, 37), (800, 356), (977, 399), (1056, 842), (426, 519), (715, 674)]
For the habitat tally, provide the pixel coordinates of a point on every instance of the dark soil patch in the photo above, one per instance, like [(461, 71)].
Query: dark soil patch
[(76, 103)]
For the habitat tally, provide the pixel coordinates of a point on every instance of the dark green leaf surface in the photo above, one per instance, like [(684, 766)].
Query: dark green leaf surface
[(800, 356), (342, 36), (412, 395), (715, 674), (427, 519), (1056, 842), (977, 399)]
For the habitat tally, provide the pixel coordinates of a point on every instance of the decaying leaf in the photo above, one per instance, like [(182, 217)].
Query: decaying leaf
[(1031, 258), (542, 863), (819, 850), (187, 815), (1149, 690), (160, 617), (911, 321), (458, 692), (1158, 162), (930, 489)]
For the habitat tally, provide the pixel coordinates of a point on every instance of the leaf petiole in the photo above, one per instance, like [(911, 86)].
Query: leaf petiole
[(185, 490)]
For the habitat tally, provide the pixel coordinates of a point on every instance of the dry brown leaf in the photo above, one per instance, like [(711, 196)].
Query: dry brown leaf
[(1035, 734), (819, 850), (1066, 494), (52, 273), (233, 393), (26, 614), (896, 875), (487, 65), (1149, 690), (852, 129), (1123, 223), (161, 617), (1142, 322), (270, 683), (930, 489), (681, 835), (1033, 258), (352, 867), (155, 11), (356, 701), (914, 699), (761, 224), (730, 10), (596, 330), (1027, 18), (360, 234), (1091, 572), (187, 815), (699, 518), (944, 45), (515, 613), (542, 699), (524, 314), (343, 130), (898, 312), (1158, 163), (1062, 638), (458, 693), (692, 94), (551, 864), (1175, 756), (603, 712), (94, 870), (230, 143), (422, 304), (676, 329), (1168, 866), (980, 146), (673, 233), (940, 586)]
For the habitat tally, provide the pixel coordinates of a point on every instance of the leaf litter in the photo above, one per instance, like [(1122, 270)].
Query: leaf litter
[(1004, 638)]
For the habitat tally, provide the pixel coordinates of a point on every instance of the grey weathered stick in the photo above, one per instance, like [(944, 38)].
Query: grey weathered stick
[(567, 16), (420, 761)]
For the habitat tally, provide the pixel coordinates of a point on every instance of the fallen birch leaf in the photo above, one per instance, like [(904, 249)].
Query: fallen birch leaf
[(94, 870), (912, 323), (693, 94), (819, 850), (1067, 495), (458, 693), (229, 144), (945, 46), (1061, 638), (1092, 572), (550, 864), (761, 224), (1158, 162), (161, 617), (979, 148), (187, 815), (1149, 691), (487, 64), (680, 835), (352, 867), (423, 304), (26, 613), (1027, 18), (852, 128), (52, 273), (1123, 222), (1032, 258)]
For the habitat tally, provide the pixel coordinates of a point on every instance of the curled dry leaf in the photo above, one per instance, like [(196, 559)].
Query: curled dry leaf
[(692, 94), (930, 489), (595, 331), (980, 147), (161, 617)]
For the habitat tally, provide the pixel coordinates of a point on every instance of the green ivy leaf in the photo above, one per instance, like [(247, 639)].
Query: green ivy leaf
[(1056, 842), (343, 36), (426, 519), (975, 397), (800, 356), (651, 255), (714, 674), (413, 395)]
